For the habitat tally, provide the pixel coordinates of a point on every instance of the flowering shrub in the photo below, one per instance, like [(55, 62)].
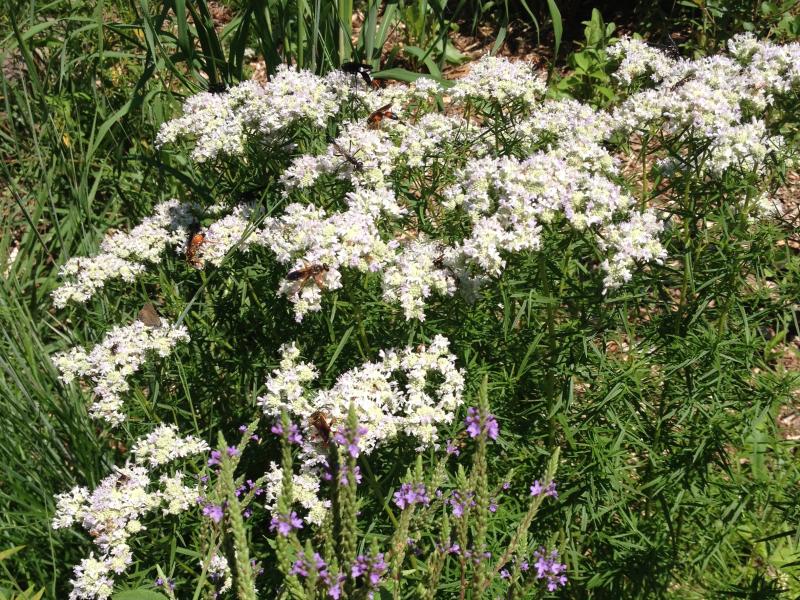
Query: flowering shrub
[(419, 238)]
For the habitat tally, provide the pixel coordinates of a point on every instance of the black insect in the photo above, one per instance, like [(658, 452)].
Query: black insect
[(357, 68), (218, 87), (357, 164)]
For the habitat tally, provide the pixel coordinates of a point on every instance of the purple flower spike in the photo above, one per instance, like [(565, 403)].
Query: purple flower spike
[(475, 424), (550, 490), (349, 439), (410, 494), (216, 455), (461, 503), (371, 568), (213, 512), (294, 436), (492, 428), (550, 569), (452, 448), (284, 524)]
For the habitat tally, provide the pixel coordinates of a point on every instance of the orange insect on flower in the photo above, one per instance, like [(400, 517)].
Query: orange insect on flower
[(319, 421), (376, 118), (309, 272), (192, 250)]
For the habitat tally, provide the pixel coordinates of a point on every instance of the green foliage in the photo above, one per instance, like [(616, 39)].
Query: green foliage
[(588, 75), (674, 478)]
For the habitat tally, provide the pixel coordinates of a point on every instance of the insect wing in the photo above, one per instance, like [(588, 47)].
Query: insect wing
[(149, 316), (356, 68), (295, 275), (319, 422)]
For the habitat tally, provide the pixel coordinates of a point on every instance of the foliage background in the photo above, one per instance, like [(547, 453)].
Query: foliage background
[(686, 492)]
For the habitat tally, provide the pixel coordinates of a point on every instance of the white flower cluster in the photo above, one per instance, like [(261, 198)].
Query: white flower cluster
[(304, 236), (109, 364), (563, 172), (420, 268), (124, 253), (220, 571), (508, 201), (637, 59), (113, 512), (497, 79), (220, 123), (359, 154), (305, 491), (409, 392), (715, 101), (163, 445), (222, 235), (384, 405)]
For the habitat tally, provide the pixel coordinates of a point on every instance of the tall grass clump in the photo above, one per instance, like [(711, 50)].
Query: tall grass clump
[(440, 340)]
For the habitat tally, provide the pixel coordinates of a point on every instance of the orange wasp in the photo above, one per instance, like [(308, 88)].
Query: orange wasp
[(319, 421), (193, 248), (314, 272), (376, 118)]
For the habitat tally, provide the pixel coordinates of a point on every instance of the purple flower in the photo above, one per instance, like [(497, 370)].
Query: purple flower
[(460, 503), (248, 512), (344, 475), (475, 424), (216, 455), (506, 485), (550, 569), (302, 567), (284, 524), (294, 436), (493, 505), (349, 438), (410, 494), (505, 574), (524, 566), (371, 567), (213, 512), (242, 428), (169, 583), (550, 490), (233, 451), (492, 428), (335, 587), (452, 448), (299, 568)]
